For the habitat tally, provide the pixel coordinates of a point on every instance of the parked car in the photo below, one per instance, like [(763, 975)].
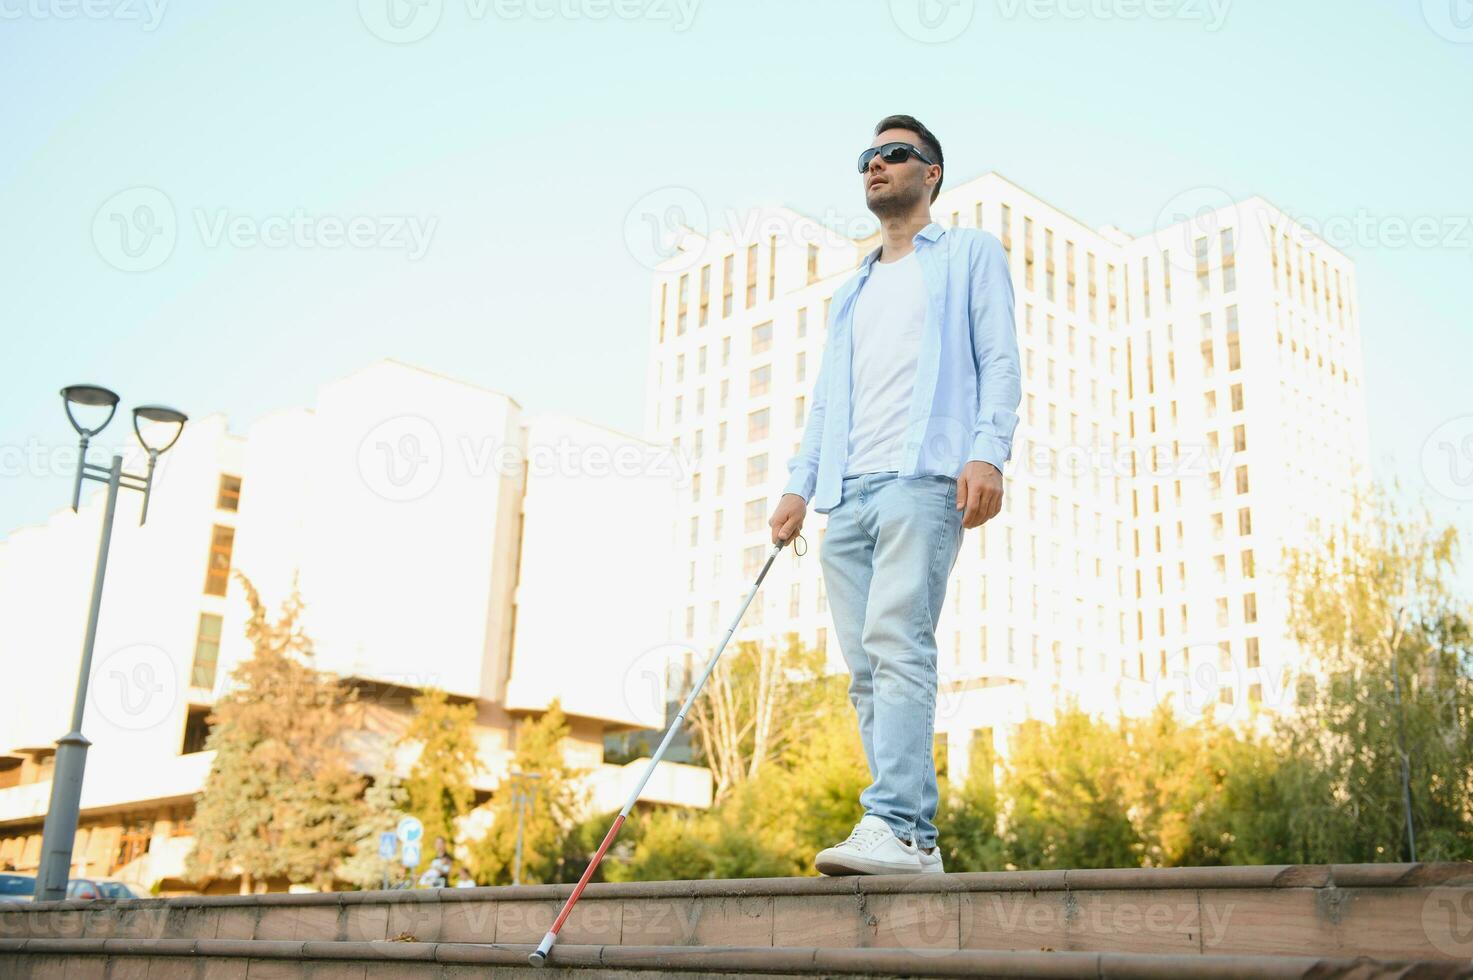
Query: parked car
[(83, 888), (17, 888), (119, 889)]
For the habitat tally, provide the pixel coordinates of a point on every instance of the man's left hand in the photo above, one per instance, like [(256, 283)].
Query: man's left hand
[(979, 490)]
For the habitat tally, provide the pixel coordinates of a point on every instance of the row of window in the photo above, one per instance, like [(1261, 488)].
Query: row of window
[(728, 287)]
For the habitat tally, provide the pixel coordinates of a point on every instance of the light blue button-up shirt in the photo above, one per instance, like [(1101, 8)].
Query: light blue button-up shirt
[(967, 387)]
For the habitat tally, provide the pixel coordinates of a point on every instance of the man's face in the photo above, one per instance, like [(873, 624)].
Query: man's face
[(895, 188)]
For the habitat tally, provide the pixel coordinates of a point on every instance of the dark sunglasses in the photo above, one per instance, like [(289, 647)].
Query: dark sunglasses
[(892, 153)]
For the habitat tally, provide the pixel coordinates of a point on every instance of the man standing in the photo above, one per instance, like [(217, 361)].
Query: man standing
[(912, 419)]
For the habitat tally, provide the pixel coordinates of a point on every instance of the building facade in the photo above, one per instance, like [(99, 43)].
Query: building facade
[(1193, 403), (438, 536)]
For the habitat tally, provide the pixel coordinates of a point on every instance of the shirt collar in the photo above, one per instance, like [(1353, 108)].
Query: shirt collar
[(930, 233)]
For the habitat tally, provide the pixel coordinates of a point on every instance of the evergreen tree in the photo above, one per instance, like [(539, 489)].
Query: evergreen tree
[(556, 812), (384, 805), (281, 799), (438, 789)]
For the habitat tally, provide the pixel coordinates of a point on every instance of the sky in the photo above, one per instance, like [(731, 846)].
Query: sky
[(223, 206)]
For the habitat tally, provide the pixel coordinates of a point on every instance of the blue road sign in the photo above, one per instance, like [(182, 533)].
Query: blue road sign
[(388, 843), (410, 857), (410, 829)]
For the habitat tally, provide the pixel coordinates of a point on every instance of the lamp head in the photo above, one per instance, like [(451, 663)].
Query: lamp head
[(161, 414), (90, 396)]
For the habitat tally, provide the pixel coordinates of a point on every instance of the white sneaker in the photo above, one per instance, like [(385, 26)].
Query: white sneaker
[(931, 863), (871, 849)]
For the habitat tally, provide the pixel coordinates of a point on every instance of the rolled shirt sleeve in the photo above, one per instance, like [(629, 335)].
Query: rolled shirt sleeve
[(803, 467), (995, 350)]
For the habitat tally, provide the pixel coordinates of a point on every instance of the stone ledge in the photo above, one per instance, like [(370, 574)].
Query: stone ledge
[(1238, 877), (744, 960)]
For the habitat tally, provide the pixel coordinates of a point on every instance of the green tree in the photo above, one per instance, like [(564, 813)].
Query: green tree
[(281, 798), (967, 818), (560, 802), (1385, 709), (438, 789), (757, 702), (383, 807), (1066, 789)]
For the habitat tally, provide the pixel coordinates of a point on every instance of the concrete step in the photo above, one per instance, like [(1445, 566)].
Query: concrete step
[(1415, 913), (259, 959)]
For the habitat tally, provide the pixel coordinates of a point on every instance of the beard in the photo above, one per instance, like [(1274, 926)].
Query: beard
[(892, 199)]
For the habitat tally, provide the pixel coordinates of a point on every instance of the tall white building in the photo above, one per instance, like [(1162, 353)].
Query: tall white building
[(439, 537), (1193, 400)]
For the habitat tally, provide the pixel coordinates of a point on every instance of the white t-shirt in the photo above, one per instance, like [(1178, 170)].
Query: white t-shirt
[(889, 316)]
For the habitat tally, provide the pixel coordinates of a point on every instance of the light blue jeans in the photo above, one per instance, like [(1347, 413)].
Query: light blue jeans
[(887, 553)]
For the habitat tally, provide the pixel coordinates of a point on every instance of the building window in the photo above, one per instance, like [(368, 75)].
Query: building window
[(751, 561), (751, 276), (1028, 252), (196, 730), (1048, 263), (229, 494), (133, 843), (759, 380), (705, 308), (761, 337), (726, 285), (803, 322), (681, 293), (758, 424), (756, 469), (1250, 608), (206, 651), (812, 263), (217, 573), (1235, 358), (1203, 285), (771, 266), (1069, 278), (1229, 260)]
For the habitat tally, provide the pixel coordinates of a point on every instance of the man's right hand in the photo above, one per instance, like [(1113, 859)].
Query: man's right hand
[(787, 517)]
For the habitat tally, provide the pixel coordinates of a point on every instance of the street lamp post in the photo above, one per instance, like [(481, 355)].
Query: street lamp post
[(60, 831), (524, 796)]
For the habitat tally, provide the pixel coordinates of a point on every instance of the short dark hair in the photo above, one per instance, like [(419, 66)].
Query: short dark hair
[(924, 137)]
